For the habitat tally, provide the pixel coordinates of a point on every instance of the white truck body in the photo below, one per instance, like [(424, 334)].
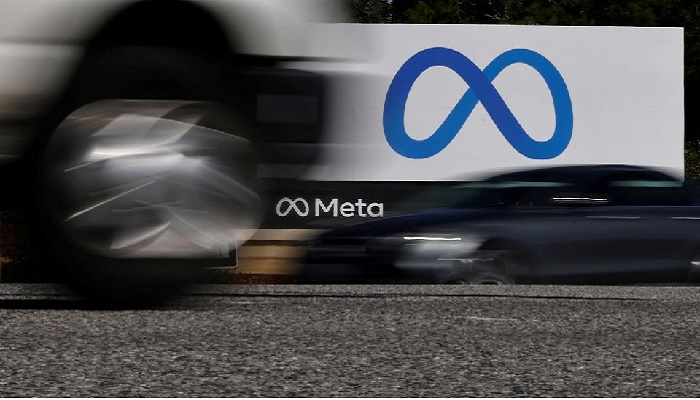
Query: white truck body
[(41, 42)]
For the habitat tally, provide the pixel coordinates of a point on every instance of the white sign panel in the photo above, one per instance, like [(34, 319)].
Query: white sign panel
[(444, 102)]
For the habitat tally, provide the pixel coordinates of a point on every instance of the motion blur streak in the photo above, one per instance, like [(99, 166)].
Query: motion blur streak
[(152, 179)]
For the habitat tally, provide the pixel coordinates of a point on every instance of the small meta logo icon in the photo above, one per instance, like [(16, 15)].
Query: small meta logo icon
[(480, 90), (286, 205)]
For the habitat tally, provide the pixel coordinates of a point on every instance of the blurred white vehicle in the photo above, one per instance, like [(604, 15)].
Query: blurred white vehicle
[(136, 132)]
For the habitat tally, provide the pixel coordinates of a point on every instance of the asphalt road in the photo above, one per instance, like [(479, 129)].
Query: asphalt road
[(327, 341)]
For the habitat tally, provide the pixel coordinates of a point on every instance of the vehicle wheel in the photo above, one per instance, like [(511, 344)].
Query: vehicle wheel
[(495, 267), (486, 277), (137, 191), (694, 271)]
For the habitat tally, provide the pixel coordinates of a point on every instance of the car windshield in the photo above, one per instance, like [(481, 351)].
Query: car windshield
[(648, 192), (483, 194), (557, 187)]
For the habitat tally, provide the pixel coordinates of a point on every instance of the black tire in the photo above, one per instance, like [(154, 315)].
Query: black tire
[(486, 276), (150, 73), (142, 75), (495, 266), (694, 271)]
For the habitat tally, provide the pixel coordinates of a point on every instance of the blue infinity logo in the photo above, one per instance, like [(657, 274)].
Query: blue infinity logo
[(480, 90)]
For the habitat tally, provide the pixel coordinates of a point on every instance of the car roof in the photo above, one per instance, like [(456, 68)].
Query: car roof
[(577, 172)]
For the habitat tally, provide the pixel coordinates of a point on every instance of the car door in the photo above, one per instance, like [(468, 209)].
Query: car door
[(550, 224), (573, 233), (619, 226), (650, 223)]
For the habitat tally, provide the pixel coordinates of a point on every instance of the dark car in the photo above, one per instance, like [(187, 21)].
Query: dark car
[(568, 224)]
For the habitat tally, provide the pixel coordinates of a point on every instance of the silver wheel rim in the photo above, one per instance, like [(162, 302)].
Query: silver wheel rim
[(135, 179)]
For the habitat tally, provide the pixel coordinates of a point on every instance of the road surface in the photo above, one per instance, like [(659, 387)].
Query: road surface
[(326, 341)]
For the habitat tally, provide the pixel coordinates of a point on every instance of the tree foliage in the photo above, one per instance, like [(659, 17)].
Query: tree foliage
[(560, 12), (679, 13), (371, 11)]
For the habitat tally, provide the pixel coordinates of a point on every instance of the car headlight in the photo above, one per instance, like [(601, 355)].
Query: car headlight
[(431, 237), (422, 240), (436, 251)]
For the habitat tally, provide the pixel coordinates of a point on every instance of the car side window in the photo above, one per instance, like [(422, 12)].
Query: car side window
[(543, 193), (647, 191)]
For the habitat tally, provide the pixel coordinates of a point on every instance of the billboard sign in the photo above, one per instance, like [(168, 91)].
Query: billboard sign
[(445, 102)]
